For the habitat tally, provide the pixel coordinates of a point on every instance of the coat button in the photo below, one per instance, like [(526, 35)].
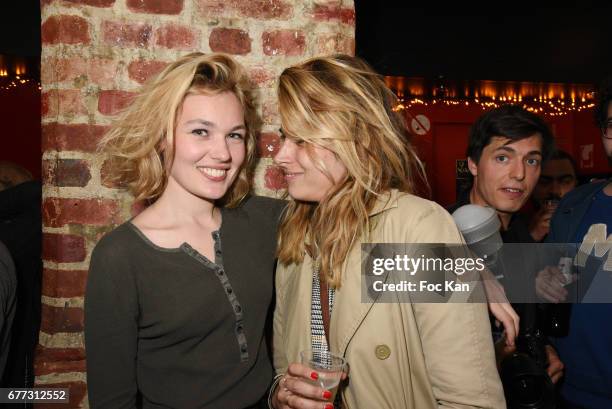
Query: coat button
[(382, 351)]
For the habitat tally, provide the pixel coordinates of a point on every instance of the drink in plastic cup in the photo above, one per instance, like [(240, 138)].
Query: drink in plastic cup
[(329, 366)]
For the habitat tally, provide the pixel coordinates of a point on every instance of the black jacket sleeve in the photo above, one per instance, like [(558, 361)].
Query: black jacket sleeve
[(8, 289)]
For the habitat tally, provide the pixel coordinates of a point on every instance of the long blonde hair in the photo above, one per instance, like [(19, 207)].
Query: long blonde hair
[(140, 143), (341, 104)]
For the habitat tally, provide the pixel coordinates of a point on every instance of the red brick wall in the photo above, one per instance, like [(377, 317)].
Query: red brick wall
[(96, 53)]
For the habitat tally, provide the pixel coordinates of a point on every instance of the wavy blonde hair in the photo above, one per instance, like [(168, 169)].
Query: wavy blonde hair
[(341, 104), (140, 143)]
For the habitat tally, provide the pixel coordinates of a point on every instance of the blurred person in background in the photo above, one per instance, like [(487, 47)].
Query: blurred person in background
[(8, 289), (21, 232), (558, 177)]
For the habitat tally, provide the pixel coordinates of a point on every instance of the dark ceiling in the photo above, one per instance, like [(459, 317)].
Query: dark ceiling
[(571, 45), (20, 28)]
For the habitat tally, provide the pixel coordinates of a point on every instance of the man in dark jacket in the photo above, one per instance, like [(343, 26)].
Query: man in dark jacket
[(506, 149), (21, 232), (8, 289), (584, 217)]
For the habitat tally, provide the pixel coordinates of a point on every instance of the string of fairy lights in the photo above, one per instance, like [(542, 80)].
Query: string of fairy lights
[(13, 82), (540, 105), (551, 99), (549, 105), (18, 72)]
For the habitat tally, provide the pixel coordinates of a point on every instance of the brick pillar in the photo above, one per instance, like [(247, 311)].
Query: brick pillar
[(95, 55)]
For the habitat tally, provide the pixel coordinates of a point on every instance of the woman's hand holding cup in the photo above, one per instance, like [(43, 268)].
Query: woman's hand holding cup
[(312, 383), (299, 389)]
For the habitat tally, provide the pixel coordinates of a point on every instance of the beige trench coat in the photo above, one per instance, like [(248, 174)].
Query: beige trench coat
[(401, 355)]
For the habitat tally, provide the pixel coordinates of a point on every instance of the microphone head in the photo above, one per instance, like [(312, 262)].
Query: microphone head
[(479, 226)]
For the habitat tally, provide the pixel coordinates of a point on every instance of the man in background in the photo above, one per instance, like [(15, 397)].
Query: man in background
[(558, 177), (8, 289), (584, 216), (21, 232), (506, 148)]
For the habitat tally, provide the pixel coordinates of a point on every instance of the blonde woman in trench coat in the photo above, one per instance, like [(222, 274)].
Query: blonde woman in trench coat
[(349, 170)]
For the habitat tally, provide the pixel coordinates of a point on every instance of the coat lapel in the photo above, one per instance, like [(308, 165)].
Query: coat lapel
[(350, 309), (298, 310)]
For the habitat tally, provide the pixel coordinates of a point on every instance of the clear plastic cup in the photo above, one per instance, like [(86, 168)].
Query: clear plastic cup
[(329, 367)]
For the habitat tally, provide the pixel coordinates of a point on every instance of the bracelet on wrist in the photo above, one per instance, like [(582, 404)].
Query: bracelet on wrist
[(273, 387)]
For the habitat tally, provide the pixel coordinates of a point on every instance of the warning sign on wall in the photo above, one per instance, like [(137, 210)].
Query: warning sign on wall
[(420, 124)]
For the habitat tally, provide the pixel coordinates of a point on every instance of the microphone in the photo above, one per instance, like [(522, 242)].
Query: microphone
[(480, 226)]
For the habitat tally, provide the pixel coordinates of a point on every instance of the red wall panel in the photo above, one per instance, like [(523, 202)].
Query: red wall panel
[(20, 127)]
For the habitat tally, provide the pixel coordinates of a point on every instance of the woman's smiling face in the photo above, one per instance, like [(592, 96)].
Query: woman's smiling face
[(209, 145)]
